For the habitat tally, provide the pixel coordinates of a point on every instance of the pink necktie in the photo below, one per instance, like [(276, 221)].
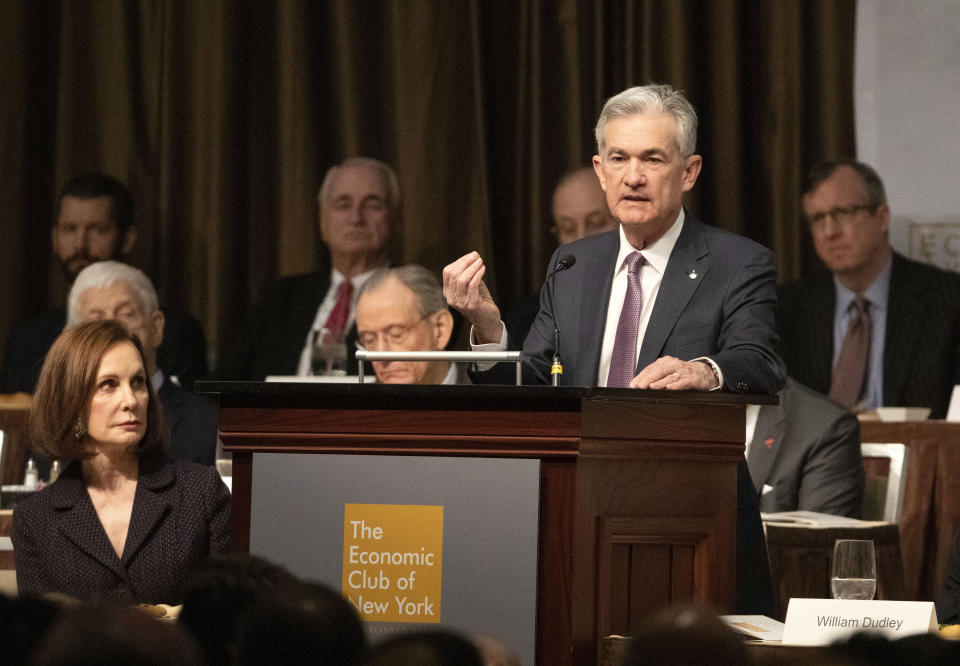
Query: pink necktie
[(623, 362), (850, 374), (337, 321)]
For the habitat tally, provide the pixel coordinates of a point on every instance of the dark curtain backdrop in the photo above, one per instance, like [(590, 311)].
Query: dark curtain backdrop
[(223, 116)]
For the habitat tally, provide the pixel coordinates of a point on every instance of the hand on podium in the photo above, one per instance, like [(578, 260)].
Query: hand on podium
[(670, 373)]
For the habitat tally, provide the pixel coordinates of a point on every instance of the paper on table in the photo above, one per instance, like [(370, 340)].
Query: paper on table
[(953, 412), (758, 626), (902, 414), (812, 519)]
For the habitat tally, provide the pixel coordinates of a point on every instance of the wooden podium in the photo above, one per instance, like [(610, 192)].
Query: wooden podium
[(637, 488)]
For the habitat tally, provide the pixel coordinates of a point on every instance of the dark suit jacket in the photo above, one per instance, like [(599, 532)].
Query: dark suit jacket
[(276, 328), (180, 517), (948, 600), (717, 299), (808, 449), (921, 356), (183, 352), (192, 423)]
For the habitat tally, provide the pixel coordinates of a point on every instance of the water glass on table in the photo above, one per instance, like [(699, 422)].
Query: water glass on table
[(328, 355), (854, 574)]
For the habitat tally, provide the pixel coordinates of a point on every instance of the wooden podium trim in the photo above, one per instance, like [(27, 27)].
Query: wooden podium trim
[(662, 450), (395, 421), (681, 549), (611, 418), (403, 444)]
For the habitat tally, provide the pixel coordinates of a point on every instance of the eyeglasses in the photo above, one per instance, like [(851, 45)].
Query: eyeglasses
[(569, 227), (393, 335), (840, 214)]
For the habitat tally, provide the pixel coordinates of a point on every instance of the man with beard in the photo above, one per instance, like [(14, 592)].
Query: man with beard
[(95, 222)]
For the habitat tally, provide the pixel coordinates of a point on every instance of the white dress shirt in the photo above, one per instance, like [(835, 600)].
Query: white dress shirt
[(651, 275), (323, 313), (656, 255)]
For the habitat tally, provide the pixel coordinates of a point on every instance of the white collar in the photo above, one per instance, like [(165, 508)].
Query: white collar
[(157, 380), (658, 254), (451, 377), (336, 277)]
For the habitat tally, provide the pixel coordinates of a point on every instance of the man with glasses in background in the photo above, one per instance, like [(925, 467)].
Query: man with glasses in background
[(403, 309), (878, 328)]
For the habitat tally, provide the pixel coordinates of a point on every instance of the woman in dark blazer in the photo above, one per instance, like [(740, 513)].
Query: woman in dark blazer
[(123, 521)]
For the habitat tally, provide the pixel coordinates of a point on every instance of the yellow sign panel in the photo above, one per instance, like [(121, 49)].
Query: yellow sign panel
[(392, 561)]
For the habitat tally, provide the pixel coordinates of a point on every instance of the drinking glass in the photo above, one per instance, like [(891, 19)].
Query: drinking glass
[(854, 573), (328, 355)]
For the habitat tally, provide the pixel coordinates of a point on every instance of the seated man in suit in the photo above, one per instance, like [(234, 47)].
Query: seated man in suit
[(663, 302), (804, 454), (948, 599), (112, 290), (877, 329), (359, 208), (95, 222), (402, 309), (579, 209)]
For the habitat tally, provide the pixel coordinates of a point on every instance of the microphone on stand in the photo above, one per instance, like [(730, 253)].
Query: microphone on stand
[(556, 370)]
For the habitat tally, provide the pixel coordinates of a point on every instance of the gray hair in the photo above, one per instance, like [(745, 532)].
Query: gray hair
[(385, 171), (103, 274), (652, 98), (873, 188), (422, 282)]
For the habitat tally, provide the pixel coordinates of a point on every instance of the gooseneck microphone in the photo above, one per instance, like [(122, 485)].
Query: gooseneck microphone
[(556, 370)]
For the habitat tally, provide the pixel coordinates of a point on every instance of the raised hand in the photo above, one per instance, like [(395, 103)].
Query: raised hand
[(464, 289)]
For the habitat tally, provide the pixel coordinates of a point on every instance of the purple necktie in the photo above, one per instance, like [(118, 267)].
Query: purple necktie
[(850, 374), (623, 362)]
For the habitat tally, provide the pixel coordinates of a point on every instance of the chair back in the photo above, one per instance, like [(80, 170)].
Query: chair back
[(801, 559), (14, 414), (885, 466)]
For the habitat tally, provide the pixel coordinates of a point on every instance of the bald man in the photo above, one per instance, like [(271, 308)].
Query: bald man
[(579, 209)]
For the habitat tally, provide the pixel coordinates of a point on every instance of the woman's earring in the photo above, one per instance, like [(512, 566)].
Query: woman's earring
[(79, 430)]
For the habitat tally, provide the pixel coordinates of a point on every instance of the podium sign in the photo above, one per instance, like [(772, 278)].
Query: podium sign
[(393, 561), (823, 621), (412, 541), (613, 539)]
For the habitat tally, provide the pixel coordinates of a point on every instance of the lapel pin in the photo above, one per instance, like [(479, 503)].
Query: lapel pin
[(692, 275), (769, 442)]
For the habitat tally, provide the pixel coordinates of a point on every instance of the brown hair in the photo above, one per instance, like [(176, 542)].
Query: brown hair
[(66, 386), (872, 185)]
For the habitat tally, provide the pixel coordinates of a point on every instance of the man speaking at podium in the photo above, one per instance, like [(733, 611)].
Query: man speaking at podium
[(663, 302)]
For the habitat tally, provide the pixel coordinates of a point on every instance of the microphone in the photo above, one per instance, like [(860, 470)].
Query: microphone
[(556, 370), (566, 261)]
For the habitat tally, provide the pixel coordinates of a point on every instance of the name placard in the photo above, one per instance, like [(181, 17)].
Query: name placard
[(393, 561), (823, 621)]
